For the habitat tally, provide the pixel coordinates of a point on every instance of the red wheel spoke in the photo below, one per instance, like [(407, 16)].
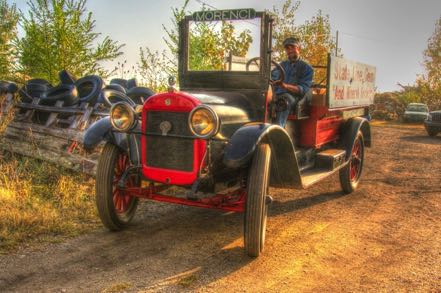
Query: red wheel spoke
[(120, 199)]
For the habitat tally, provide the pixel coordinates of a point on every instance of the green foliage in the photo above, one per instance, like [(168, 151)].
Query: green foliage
[(172, 38), (59, 34), (8, 31), (427, 88), (151, 69), (430, 83), (432, 58), (209, 47)]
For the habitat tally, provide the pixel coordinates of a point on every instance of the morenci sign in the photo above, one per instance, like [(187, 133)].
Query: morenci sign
[(216, 15)]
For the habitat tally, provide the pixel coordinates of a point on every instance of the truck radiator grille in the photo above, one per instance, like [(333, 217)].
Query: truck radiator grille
[(436, 117), (169, 152)]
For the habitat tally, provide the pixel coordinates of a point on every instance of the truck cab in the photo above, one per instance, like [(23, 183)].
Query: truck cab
[(215, 139)]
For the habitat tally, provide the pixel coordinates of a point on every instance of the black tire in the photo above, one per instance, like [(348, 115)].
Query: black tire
[(89, 88), (111, 97), (431, 132), (139, 94), (350, 175), (256, 209), (115, 87), (3, 87), (66, 77), (8, 87), (107, 172), (122, 82), (39, 81), (63, 92), (12, 88), (131, 83), (34, 88)]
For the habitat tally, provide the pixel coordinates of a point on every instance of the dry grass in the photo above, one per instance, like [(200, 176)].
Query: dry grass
[(42, 202), (6, 115)]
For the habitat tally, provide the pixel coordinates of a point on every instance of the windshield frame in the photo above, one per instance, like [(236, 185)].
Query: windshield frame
[(226, 79)]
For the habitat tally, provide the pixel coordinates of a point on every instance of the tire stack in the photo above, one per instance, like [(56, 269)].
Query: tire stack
[(71, 92)]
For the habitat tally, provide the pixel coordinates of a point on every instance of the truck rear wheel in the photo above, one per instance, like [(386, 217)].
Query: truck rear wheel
[(256, 209), (350, 174), (115, 208)]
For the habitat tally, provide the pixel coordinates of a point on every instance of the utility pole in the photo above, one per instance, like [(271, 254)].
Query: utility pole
[(336, 44)]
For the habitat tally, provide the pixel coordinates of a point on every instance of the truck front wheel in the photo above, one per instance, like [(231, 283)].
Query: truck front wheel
[(115, 208), (431, 132), (350, 174), (256, 209)]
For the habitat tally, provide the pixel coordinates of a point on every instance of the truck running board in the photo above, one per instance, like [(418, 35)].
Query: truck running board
[(327, 162)]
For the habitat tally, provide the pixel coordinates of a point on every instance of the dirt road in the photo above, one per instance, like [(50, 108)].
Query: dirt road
[(384, 237)]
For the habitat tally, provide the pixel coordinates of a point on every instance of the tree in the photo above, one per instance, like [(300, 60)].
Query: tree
[(430, 82), (59, 34), (8, 31), (209, 46), (151, 69), (172, 38), (432, 57)]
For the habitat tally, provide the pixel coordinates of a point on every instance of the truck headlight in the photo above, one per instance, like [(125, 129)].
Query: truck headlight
[(203, 122), (429, 117), (122, 116)]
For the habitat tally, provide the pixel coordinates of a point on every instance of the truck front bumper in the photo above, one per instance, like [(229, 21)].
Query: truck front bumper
[(433, 125)]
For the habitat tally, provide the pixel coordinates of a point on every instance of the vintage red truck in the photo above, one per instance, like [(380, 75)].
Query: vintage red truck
[(215, 140)]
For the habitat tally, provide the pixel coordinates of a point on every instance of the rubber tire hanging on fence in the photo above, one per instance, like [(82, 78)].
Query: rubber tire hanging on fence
[(34, 88), (111, 97), (139, 94), (63, 92), (121, 81), (131, 83), (66, 77), (116, 87), (89, 88)]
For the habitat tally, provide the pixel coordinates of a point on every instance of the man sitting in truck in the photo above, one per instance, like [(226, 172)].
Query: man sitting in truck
[(297, 83)]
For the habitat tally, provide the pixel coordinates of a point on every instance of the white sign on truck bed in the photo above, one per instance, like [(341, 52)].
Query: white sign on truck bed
[(350, 83)]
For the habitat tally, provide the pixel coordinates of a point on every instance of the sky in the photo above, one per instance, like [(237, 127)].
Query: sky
[(388, 34)]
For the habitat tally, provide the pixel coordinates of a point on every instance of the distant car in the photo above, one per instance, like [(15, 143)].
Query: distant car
[(433, 123), (416, 112)]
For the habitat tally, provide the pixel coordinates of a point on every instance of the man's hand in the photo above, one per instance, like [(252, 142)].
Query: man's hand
[(279, 83)]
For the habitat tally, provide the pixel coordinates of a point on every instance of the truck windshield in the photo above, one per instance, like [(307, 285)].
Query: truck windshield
[(417, 108), (226, 45)]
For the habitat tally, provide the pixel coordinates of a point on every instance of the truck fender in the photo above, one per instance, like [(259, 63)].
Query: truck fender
[(284, 166), (102, 131), (350, 130)]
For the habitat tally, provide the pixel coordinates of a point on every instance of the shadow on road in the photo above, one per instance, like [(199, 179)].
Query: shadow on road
[(436, 140), (278, 207)]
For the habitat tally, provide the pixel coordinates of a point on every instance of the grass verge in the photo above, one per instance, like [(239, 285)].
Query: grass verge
[(40, 202)]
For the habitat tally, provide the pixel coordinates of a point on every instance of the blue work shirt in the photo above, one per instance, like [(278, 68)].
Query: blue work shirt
[(298, 73)]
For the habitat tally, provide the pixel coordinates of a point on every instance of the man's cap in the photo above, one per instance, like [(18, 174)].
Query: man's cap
[(291, 41)]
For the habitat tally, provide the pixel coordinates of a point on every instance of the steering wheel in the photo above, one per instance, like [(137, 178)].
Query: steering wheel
[(251, 61), (281, 73)]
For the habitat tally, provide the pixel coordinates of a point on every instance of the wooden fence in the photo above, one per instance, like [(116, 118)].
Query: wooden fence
[(57, 140)]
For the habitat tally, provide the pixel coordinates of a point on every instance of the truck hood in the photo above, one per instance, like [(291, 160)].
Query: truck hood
[(415, 113), (250, 102)]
